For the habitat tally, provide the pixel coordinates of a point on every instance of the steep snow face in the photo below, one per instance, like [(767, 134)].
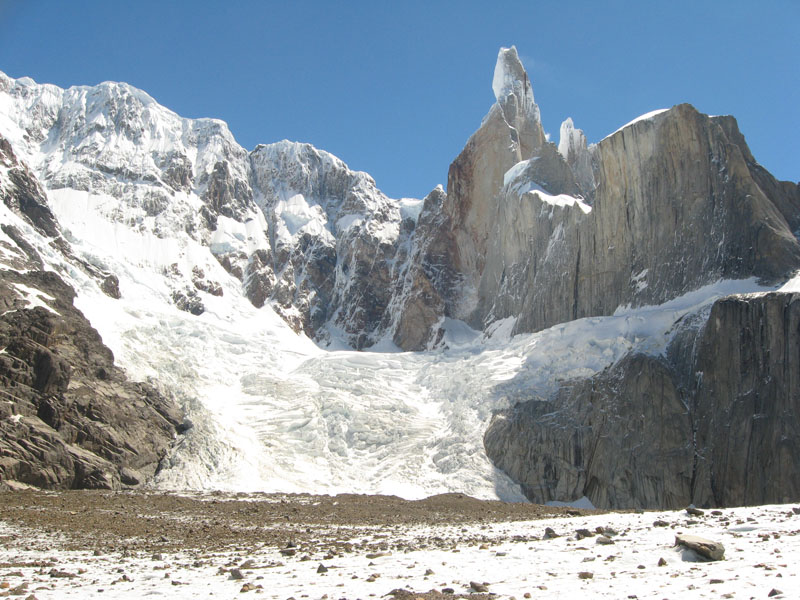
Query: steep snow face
[(334, 239), (291, 223)]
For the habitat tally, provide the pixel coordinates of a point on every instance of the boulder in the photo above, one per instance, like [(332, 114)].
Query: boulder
[(705, 548)]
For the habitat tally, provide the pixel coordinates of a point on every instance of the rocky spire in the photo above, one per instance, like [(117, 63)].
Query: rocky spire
[(512, 88), (572, 146), (514, 94)]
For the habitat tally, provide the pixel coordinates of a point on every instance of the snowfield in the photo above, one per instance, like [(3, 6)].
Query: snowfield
[(637, 558)]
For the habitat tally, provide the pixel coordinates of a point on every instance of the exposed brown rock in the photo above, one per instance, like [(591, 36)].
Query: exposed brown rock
[(70, 418)]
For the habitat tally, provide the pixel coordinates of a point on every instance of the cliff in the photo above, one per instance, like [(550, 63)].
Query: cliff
[(714, 422)]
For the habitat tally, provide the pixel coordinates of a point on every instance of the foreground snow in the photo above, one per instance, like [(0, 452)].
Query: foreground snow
[(762, 549)]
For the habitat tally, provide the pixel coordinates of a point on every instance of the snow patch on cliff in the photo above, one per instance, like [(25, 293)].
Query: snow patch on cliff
[(643, 117)]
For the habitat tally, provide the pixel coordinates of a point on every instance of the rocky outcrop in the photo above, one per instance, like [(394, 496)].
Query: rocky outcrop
[(672, 182), (511, 133), (746, 402), (415, 311), (715, 423), (572, 145), (23, 194), (334, 238), (622, 439), (68, 417)]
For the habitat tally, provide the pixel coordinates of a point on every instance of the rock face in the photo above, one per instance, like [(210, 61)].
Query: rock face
[(545, 236), (511, 133), (333, 238), (714, 423), (746, 401), (68, 417)]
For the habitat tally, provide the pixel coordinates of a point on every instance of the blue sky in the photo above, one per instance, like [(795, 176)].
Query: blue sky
[(396, 89)]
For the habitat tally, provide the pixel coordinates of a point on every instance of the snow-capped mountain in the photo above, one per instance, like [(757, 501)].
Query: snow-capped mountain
[(240, 286)]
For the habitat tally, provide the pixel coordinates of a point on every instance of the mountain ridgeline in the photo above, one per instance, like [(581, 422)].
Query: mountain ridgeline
[(527, 232)]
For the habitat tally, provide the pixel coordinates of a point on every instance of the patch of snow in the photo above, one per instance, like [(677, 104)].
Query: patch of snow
[(297, 214), (639, 281), (516, 178), (458, 334), (792, 285), (560, 200), (34, 297), (643, 117), (515, 172), (410, 208)]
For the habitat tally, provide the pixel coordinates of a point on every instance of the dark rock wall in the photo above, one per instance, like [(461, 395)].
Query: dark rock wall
[(719, 428), (746, 402), (68, 417)]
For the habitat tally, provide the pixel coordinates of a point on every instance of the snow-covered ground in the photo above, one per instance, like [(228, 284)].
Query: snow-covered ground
[(762, 550)]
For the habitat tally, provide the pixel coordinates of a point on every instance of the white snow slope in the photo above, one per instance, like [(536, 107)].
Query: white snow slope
[(271, 410)]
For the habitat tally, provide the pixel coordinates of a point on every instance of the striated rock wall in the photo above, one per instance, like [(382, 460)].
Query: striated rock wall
[(746, 402), (676, 207), (716, 422)]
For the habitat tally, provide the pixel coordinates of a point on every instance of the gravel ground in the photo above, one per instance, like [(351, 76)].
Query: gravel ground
[(139, 521)]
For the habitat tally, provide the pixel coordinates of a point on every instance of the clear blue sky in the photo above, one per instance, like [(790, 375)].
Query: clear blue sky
[(396, 88)]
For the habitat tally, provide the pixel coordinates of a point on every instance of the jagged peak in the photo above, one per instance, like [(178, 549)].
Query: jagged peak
[(508, 71), (511, 79), (303, 153), (570, 140)]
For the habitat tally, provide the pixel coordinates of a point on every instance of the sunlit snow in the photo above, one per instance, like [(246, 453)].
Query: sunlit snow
[(643, 117)]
